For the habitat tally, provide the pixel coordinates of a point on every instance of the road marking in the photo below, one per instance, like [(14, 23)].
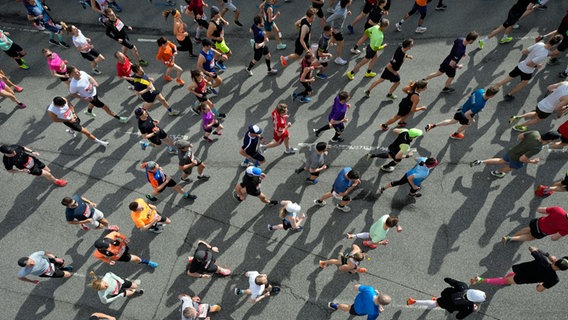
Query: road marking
[(344, 147), (146, 40)]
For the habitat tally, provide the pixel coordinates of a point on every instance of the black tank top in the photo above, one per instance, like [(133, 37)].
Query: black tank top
[(307, 36)]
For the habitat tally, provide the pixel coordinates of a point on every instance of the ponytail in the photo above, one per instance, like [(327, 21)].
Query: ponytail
[(96, 283), (282, 213)]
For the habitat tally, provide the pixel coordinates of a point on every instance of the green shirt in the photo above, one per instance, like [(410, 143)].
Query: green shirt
[(378, 231), (376, 37), (5, 42), (528, 147)]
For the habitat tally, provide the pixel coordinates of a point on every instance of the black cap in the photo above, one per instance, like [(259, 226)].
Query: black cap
[(102, 243), (6, 149), (550, 136), (200, 255), (23, 261)]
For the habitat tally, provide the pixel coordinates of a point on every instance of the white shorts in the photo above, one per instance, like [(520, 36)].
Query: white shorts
[(336, 195), (96, 216)]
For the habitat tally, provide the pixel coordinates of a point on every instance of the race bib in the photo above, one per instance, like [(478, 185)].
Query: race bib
[(118, 25)]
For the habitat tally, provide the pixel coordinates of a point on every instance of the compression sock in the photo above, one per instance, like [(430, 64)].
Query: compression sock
[(250, 66), (19, 61), (495, 281), (430, 304), (268, 64), (170, 109)]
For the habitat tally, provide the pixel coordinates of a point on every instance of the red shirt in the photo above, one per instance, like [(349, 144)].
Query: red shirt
[(196, 6), (124, 69), (279, 121), (563, 129), (555, 221)]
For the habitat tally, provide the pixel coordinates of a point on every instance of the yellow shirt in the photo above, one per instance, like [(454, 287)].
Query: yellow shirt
[(143, 217)]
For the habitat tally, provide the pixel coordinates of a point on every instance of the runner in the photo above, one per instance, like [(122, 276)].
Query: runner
[(390, 72), (37, 13), (347, 180), (13, 50), (159, 181), (112, 287), (194, 9), (17, 156), (464, 115), (146, 216), (407, 105), (86, 48), (531, 142), (414, 177), (378, 232), (181, 35), (307, 65), (192, 308), (149, 130), (374, 18), (458, 298), (216, 33), (260, 46), (251, 185), (57, 66), (82, 211), (420, 6), (347, 262), (206, 64), (336, 20), (553, 224), (7, 92), (367, 8), (203, 263), (451, 63), (166, 54), (251, 149), (258, 287), (542, 271), (555, 101), (563, 31), (208, 122), (200, 87), (315, 162), (228, 5), (368, 302), (322, 54), (399, 149), (337, 117), (281, 125), (302, 44), (84, 87), (144, 87), (188, 160), (43, 264), (114, 247), (288, 212), (8, 83), (515, 13), (99, 6), (270, 24), (376, 37), (116, 30), (124, 69), (536, 54)]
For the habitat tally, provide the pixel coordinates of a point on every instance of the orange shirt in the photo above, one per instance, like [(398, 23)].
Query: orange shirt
[(166, 53), (117, 251), (422, 3), (144, 217)]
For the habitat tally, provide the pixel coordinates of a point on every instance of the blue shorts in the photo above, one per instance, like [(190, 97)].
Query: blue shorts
[(512, 164)]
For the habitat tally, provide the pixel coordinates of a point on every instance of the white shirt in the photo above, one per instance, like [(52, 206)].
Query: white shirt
[(547, 104), (80, 41), (254, 288), (83, 87), (63, 113), (537, 54)]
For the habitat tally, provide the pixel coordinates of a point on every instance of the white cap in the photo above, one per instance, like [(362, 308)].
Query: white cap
[(293, 207), (476, 296)]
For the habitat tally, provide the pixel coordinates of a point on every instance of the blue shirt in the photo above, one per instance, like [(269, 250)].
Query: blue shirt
[(209, 64), (83, 211), (338, 110), (250, 144), (365, 303), (341, 182), (420, 172), (258, 34), (475, 103)]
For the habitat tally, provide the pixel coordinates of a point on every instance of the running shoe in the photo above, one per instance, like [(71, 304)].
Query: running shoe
[(355, 51), (168, 78), (182, 8), (24, 66), (429, 127), (350, 75), (238, 23), (416, 194), (180, 82), (481, 44), (152, 264), (508, 97), (384, 127), (370, 74), (188, 179), (130, 87), (448, 90), (382, 190), (520, 128), (213, 91), (67, 268), (316, 132), (63, 44), (203, 177), (84, 227), (498, 174), (457, 136), (505, 40), (370, 244), (269, 227), (123, 119), (332, 306), (173, 113), (104, 143), (343, 208), (514, 119), (322, 264), (96, 71), (294, 96), (420, 29), (401, 124), (441, 7), (475, 163), (189, 196), (391, 96), (272, 203), (350, 29), (309, 181), (305, 99), (340, 61), (151, 198), (217, 133), (220, 66), (248, 71), (236, 196), (283, 61), (387, 169), (143, 145), (156, 230), (320, 203), (113, 228), (272, 71), (140, 292), (18, 89), (367, 93), (172, 150), (476, 280), (143, 62), (321, 76), (238, 291), (410, 301), (53, 41), (336, 140), (398, 27), (92, 114), (505, 240), (21, 105), (60, 182), (71, 133), (39, 27), (280, 46), (291, 150), (208, 139), (516, 26), (563, 74)]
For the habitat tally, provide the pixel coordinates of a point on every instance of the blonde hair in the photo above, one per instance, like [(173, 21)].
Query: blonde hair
[(96, 283), (282, 213)]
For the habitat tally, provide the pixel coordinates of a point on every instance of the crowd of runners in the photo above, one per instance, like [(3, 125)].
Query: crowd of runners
[(207, 47)]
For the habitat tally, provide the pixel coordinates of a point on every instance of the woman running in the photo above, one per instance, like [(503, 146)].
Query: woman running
[(144, 87), (7, 92), (408, 105), (306, 78), (57, 66), (86, 48), (348, 262), (289, 215), (166, 54), (7, 81), (112, 287), (13, 50), (216, 33), (116, 30), (209, 123), (182, 36)]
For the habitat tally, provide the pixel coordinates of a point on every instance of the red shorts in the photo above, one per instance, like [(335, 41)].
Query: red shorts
[(281, 138)]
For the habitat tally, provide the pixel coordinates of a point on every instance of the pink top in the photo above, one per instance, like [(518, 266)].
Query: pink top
[(207, 118), (56, 64), (2, 85)]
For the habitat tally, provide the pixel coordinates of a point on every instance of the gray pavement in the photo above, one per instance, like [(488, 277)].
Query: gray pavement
[(453, 230)]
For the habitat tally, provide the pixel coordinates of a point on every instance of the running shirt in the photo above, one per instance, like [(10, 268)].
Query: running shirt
[(549, 103), (196, 6), (265, 10), (144, 217), (475, 102), (21, 160), (341, 183), (397, 59), (365, 303), (528, 147), (83, 87), (305, 63), (279, 122), (256, 290), (556, 221), (323, 44), (337, 19), (315, 159), (5, 42), (166, 54), (378, 231), (457, 52), (375, 15), (56, 64), (142, 82), (116, 29), (537, 55), (207, 118), (124, 69), (63, 113), (41, 266), (402, 138), (111, 293), (185, 157), (536, 271), (250, 144), (83, 211), (420, 172), (338, 110), (376, 37), (209, 64), (156, 178), (258, 34), (305, 22), (201, 86), (218, 32), (80, 41), (146, 126)]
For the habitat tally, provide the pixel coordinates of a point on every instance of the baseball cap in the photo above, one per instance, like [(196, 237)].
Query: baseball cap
[(23, 261), (102, 243), (431, 163), (562, 264), (151, 164), (138, 112), (254, 171), (182, 144), (476, 296), (293, 207), (253, 128), (413, 133), (214, 11), (550, 136), (200, 255), (6, 149)]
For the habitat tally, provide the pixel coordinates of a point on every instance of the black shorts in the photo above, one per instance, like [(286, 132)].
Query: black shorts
[(258, 53), (212, 268), (563, 44), (203, 97), (404, 108), (315, 174), (157, 137), (96, 102), (286, 224), (319, 10), (251, 189), (150, 96), (210, 129), (257, 156), (448, 70), (387, 75), (368, 7), (170, 184), (57, 273), (299, 50), (541, 114), (14, 51), (307, 86), (126, 256), (337, 36), (37, 169), (400, 182), (512, 18), (65, 78), (353, 312), (75, 126), (126, 43), (370, 53), (91, 55), (461, 118), (517, 72), (565, 181), (535, 230)]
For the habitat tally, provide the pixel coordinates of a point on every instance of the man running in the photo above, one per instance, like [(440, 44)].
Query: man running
[(303, 41), (146, 216), (82, 211), (399, 149), (188, 160), (250, 185), (251, 148), (515, 13), (376, 37), (347, 179), (368, 302), (159, 181), (553, 224), (44, 265), (24, 159), (203, 263)]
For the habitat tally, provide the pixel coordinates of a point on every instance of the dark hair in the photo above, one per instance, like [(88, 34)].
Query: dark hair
[(321, 146), (406, 43), (6, 149), (472, 36), (344, 3), (555, 40), (133, 206), (428, 162), (392, 221), (135, 68), (353, 175), (59, 101), (343, 95), (67, 201), (23, 261), (491, 91), (194, 74), (161, 41), (549, 136), (206, 43), (166, 13), (71, 69), (257, 19), (327, 28)]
